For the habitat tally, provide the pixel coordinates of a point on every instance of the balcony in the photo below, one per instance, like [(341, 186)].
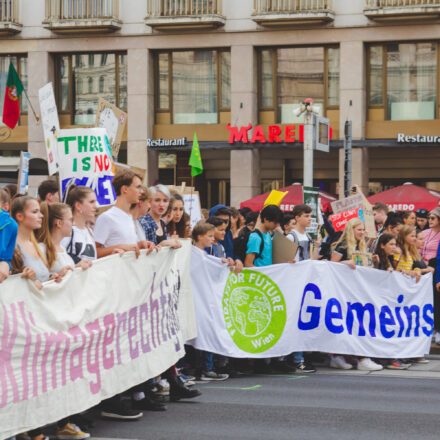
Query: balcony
[(9, 17), (292, 12), (184, 14), (67, 16), (402, 10)]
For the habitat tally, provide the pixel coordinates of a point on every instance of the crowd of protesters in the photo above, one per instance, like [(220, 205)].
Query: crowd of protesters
[(43, 239)]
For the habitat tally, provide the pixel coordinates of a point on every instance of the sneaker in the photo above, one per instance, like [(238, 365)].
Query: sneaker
[(283, 367), (148, 404), (164, 388), (340, 363), (116, 409), (71, 431), (367, 364), (212, 375), (421, 360), (302, 367), (397, 365)]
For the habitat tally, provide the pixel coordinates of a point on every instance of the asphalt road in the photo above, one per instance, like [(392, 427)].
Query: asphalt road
[(322, 406)]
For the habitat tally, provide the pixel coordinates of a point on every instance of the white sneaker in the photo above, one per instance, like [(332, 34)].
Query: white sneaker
[(367, 364), (340, 363), (165, 387), (437, 338)]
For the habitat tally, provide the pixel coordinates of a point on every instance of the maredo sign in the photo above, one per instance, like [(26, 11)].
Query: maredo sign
[(276, 134)]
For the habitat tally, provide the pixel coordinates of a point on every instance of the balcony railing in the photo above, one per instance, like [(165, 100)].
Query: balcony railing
[(276, 12), (9, 16), (402, 9), (71, 15), (175, 14)]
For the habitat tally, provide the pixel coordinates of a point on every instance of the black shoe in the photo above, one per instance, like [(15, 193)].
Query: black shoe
[(283, 367), (301, 367), (178, 390), (149, 404), (117, 409), (262, 368)]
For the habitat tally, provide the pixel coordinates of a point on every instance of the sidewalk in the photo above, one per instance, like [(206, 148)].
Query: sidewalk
[(417, 371)]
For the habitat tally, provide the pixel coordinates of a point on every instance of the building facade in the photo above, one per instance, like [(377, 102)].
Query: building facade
[(233, 72)]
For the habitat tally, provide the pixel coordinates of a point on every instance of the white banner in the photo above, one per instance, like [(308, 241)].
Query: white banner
[(310, 306), (98, 333)]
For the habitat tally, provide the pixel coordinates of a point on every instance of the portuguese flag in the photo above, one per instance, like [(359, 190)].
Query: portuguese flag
[(11, 106)]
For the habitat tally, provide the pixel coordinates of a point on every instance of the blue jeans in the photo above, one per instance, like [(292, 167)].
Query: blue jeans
[(207, 361), (297, 357)]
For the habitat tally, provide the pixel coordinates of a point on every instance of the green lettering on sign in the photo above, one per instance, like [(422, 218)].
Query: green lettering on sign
[(254, 311), (82, 144), (66, 141)]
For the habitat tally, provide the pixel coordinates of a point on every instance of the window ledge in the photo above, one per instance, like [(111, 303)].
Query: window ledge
[(294, 18), (10, 27), (79, 25), (208, 21), (403, 13)]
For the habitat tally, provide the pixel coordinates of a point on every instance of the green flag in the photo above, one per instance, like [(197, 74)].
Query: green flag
[(195, 161)]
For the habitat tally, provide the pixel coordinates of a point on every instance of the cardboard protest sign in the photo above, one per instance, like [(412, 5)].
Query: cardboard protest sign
[(23, 172), (360, 203), (191, 201), (275, 198), (340, 219), (51, 125), (364, 259), (283, 249), (114, 121), (85, 159)]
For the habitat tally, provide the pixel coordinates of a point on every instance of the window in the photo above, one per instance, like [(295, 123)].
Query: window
[(20, 64), (194, 86), (290, 75), (405, 76), (80, 81)]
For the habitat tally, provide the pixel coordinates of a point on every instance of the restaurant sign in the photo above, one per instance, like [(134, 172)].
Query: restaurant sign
[(182, 142), (402, 138)]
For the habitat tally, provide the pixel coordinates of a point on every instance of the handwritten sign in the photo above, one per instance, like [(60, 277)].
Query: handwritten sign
[(51, 125), (340, 219), (23, 173), (85, 159)]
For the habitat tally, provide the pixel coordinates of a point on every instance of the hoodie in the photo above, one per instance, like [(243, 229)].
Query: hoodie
[(8, 236), (228, 242)]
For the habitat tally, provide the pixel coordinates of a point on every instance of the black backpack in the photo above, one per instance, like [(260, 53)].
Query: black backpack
[(240, 243)]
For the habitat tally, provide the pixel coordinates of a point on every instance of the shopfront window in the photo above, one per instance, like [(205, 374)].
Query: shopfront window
[(408, 80), (20, 64), (199, 88), (298, 73), (81, 79)]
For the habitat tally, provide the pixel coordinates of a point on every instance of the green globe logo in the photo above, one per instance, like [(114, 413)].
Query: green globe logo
[(254, 311)]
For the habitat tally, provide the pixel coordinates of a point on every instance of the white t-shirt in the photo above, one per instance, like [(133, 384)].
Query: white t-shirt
[(63, 259), (115, 227), (83, 244), (303, 252), (140, 232)]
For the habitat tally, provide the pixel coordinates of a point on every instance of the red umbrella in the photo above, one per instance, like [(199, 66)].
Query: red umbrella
[(295, 197), (407, 197)]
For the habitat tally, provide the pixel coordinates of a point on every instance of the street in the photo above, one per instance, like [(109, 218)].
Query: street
[(331, 404)]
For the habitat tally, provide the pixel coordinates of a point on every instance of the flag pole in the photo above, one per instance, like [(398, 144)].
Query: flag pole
[(37, 117)]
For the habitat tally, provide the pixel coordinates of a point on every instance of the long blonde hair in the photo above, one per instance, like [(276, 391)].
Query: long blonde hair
[(407, 249), (349, 238), (51, 213), (19, 205)]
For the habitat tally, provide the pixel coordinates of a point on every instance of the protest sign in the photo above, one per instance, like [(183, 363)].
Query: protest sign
[(283, 249), (365, 212), (94, 335), (363, 259), (310, 197), (51, 125), (23, 172), (84, 157), (114, 121), (340, 219), (191, 201), (310, 306)]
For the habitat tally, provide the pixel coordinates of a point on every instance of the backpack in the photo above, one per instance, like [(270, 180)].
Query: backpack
[(295, 240), (326, 245), (240, 244), (76, 259)]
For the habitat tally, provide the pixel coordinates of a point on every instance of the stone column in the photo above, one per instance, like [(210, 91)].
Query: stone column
[(353, 89), (40, 72), (141, 112), (245, 165)]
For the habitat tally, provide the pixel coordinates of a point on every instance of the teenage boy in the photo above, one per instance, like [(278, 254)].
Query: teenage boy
[(115, 231), (223, 212), (217, 249), (49, 192), (302, 215), (380, 212), (259, 245), (8, 235), (204, 238), (287, 223)]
